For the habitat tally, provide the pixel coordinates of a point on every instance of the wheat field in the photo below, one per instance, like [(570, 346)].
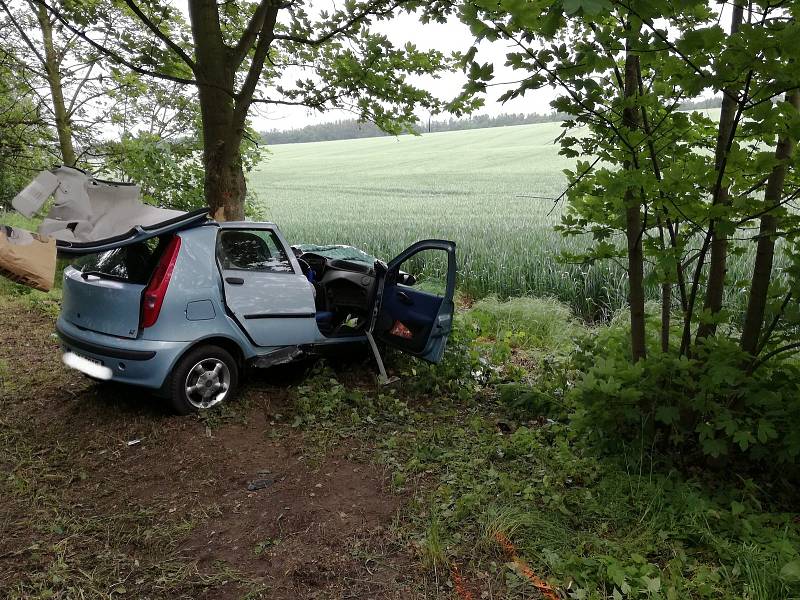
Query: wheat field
[(491, 191)]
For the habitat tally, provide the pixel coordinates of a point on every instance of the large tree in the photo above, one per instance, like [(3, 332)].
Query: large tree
[(23, 131), (272, 52), (682, 194), (62, 75)]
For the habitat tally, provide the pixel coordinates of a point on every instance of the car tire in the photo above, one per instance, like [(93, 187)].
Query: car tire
[(203, 378)]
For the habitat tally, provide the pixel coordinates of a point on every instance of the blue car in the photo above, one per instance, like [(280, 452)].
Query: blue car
[(183, 307)]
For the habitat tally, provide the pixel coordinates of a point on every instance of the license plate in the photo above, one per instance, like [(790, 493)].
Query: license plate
[(90, 359), (89, 366)]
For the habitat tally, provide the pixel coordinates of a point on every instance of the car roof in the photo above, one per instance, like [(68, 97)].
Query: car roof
[(137, 233), (245, 224)]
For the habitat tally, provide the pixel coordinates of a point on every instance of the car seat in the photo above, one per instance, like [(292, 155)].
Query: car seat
[(242, 250)]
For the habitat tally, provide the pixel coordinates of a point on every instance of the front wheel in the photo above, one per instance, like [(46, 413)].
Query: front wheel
[(203, 378)]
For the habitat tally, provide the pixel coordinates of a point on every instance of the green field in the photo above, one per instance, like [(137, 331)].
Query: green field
[(489, 190)]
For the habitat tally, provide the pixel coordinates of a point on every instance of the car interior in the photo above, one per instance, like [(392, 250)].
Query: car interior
[(343, 290), (343, 293)]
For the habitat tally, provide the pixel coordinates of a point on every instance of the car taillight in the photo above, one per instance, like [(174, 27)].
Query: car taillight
[(157, 288)]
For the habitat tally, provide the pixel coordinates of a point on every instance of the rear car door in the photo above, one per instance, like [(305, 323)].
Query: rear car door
[(264, 287), (412, 316)]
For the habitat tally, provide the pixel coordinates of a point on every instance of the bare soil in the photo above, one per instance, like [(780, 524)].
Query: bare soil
[(107, 494)]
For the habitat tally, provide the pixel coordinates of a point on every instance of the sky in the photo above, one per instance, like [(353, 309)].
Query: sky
[(445, 37)]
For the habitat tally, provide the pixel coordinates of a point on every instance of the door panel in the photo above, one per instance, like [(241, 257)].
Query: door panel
[(100, 304), (417, 318), (273, 302)]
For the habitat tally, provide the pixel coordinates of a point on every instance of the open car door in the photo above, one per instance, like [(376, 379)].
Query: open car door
[(412, 319)]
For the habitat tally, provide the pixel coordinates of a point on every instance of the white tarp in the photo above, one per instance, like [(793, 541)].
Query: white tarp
[(86, 209)]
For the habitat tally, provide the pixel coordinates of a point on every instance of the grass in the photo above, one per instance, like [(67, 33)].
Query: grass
[(473, 467), (492, 191), (596, 527)]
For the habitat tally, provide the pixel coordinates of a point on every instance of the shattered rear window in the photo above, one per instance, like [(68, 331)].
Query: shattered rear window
[(133, 263)]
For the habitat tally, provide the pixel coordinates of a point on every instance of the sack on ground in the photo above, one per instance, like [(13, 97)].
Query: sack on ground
[(27, 258)]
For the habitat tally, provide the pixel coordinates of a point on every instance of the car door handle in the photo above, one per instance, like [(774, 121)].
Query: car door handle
[(404, 298), (234, 280)]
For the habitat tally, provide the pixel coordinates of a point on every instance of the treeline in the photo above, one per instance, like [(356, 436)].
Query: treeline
[(353, 128), (348, 129)]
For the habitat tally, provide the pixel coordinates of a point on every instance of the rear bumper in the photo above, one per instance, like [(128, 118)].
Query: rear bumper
[(145, 363)]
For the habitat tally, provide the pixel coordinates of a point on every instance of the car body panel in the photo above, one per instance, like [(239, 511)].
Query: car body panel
[(149, 370), (136, 234), (402, 309), (274, 308), (101, 305), (270, 317)]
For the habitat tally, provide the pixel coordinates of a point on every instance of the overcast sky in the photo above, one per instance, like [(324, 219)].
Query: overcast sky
[(446, 37)]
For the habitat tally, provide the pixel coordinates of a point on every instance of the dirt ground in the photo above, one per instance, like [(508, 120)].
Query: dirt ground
[(107, 494)]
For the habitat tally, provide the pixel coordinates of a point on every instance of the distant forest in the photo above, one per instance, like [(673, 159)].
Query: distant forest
[(352, 128)]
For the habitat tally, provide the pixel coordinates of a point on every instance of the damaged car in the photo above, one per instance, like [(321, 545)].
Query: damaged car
[(183, 306)]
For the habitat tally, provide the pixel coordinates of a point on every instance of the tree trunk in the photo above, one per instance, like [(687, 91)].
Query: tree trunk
[(52, 67), (765, 251), (718, 267), (224, 186), (634, 227)]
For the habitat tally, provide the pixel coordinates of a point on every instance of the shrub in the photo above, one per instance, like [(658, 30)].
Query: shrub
[(713, 407), (537, 323)]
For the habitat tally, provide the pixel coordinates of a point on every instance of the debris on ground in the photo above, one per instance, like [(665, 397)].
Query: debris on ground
[(259, 484)]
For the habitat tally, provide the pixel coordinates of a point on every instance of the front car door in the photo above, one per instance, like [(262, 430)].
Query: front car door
[(416, 317), (264, 287)]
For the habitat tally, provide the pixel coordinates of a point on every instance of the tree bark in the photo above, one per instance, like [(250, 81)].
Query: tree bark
[(224, 109), (52, 67), (224, 185), (717, 268), (634, 227), (765, 250)]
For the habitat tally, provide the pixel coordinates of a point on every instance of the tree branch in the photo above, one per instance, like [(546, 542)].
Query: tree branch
[(370, 11), (782, 349), (23, 34), (254, 26), (160, 34), (245, 96)]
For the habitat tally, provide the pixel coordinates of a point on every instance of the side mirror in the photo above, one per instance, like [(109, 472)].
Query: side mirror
[(406, 279)]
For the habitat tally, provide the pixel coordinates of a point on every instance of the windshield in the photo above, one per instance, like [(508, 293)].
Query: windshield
[(133, 263)]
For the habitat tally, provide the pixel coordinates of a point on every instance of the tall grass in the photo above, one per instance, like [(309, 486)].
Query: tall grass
[(492, 191)]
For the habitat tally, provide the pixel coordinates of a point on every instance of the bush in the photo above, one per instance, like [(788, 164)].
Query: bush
[(536, 323), (708, 404)]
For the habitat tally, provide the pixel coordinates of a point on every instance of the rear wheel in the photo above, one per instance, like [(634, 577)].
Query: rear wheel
[(205, 377)]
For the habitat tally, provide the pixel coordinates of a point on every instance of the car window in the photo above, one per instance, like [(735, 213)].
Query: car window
[(133, 263), (427, 270), (252, 250)]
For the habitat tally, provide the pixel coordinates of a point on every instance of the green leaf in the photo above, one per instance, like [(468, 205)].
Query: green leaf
[(766, 431), (652, 584), (743, 438), (791, 571), (667, 414)]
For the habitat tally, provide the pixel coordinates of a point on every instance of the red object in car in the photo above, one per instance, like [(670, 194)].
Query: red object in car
[(401, 330), (155, 291)]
